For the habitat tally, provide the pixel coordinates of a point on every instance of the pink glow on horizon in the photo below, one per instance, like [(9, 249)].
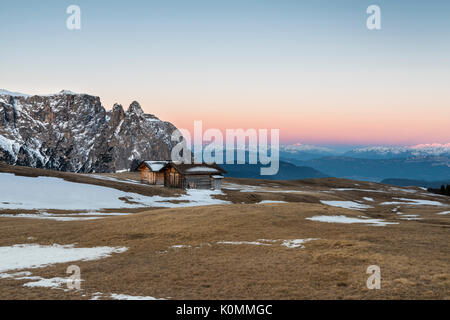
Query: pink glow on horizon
[(431, 145), (334, 132)]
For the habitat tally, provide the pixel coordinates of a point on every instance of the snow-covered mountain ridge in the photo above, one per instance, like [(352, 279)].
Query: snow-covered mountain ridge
[(73, 132), (373, 152), (421, 150)]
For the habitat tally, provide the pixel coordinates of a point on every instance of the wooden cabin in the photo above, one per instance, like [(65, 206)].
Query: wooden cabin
[(152, 172), (186, 176), (193, 176)]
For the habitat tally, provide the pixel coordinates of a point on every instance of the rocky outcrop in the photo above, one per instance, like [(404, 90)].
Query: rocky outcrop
[(73, 132)]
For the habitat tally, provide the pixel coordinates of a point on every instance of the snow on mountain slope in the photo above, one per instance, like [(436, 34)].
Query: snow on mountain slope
[(14, 94), (299, 147), (73, 132), (421, 150)]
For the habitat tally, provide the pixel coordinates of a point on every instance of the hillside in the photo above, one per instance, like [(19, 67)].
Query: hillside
[(258, 239), (417, 183), (287, 171)]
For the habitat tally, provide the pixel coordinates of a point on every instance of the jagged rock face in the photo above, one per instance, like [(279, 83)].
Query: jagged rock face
[(73, 132)]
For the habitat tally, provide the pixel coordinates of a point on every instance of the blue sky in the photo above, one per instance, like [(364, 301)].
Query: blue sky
[(268, 61)]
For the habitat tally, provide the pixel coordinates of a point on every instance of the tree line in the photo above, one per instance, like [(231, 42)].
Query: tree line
[(445, 190)]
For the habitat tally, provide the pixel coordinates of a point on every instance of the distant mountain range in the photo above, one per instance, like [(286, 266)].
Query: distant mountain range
[(287, 171), (427, 162), (400, 152), (308, 152), (417, 168)]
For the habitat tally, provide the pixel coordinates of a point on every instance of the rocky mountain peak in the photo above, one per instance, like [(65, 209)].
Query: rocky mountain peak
[(74, 132), (135, 108), (68, 92), (117, 115)]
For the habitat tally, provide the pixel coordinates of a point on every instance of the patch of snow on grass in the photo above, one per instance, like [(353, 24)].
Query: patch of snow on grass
[(348, 220), (45, 283), (123, 170), (415, 202), (346, 204), (296, 243), (180, 246), (24, 256), (271, 201), (47, 217), (107, 178), (14, 275), (255, 243), (411, 217), (93, 213), (56, 193), (403, 190), (116, 296), (354, 189), (444, 213), (368, 199), (248, 188)]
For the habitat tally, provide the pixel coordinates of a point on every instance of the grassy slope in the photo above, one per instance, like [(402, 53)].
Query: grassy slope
[(413, 255)]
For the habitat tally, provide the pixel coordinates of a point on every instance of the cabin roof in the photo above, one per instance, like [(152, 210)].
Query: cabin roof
[(198, 169), (155, 166)]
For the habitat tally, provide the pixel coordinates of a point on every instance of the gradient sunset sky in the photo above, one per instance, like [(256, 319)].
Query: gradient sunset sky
[(309, 68)]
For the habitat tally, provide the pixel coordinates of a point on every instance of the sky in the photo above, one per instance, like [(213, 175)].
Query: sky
[(310, 68)]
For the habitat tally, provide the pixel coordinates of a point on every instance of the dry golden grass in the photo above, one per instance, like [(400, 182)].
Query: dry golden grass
[(413, 256)]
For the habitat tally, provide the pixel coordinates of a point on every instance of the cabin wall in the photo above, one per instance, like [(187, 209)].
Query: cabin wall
[(159, 178), (173, 179), (216, 184), (198, 182), (151, 177), (145, 174)]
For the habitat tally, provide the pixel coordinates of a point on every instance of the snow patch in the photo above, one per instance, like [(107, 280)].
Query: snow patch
[(14, 94), (296, 243), (346, 204), (411, 217), (271, 201), (180, 246), (353, 189), (116, 296), (10, 146), (67, 195), (254, 243), (291, 244), (47, 217), (46, 283), (24, 256), (415, 202), (348, 220)]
